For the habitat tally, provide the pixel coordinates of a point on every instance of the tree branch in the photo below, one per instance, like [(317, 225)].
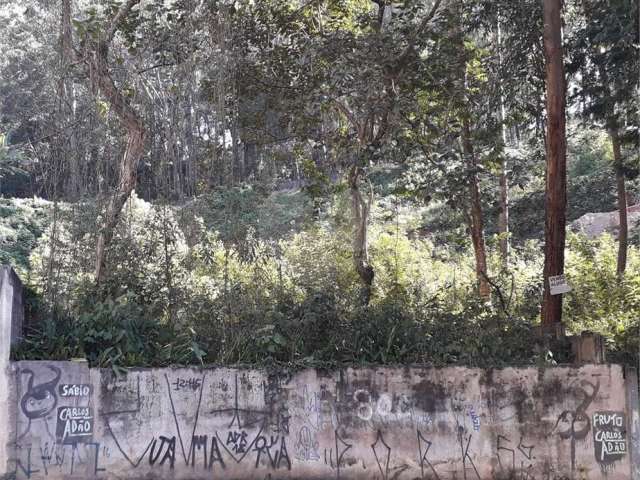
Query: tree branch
[(350, 116), (125, 8), (402, 59), (152, 67)]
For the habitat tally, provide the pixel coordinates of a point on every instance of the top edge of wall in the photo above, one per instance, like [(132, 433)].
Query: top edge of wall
[(294, 368)]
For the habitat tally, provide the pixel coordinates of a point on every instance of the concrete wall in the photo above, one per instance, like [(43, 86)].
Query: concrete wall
[(63, 420), (11, 319), (386, 423)]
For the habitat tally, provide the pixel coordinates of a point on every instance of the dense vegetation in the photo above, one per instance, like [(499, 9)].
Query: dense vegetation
[(311, 183)]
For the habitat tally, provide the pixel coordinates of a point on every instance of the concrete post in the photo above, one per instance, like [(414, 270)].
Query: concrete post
[(631, 382), (11, 320), (588, 347)]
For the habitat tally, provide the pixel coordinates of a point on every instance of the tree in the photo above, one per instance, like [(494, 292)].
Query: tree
[(380, 63), (605, 56), (96, 58), (514, 30), (453, 125), (474, 214), (556, 177), (99, 63), (495, 89), (503, 222), (345, 70)]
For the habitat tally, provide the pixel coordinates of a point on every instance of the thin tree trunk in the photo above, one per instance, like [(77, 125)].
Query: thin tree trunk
[(474, 215), (612, 130), (623, 234), (556, 175), (126, 184), (68, 155), (503, 220), (361, 208), (192, 171), (476, 224), (168, 277), (238, 157)]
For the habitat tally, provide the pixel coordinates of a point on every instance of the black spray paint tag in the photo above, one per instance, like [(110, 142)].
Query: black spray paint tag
[(609, 436)]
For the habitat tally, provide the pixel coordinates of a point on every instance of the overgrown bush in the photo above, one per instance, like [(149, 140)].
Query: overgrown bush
[(600, 301), (186, 294), (22, 222), (111, 333)]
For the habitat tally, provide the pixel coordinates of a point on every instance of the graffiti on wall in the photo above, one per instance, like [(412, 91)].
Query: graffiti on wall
[(609, 437), (39, 399), (74, 424), (242, 434), (196, 424), (55, 434), (574, 425)]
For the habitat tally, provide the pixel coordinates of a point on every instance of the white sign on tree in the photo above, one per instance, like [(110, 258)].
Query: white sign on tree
[(558, 285)]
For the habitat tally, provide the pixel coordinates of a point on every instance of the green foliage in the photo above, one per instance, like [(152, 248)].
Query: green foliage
[(22, 223), (188, 293), (589, 152), (240, 213), (429, 332), (111, 333), (590, 187), (254, 112), (600, 301), (13, 170), (169, 300), (603, 50)]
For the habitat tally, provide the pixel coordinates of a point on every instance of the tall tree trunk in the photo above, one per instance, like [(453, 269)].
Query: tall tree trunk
[(503, 220), (134, 126), (474, 215), (623, 234), (168, 276), (62, 115), (476, 224), (192, 167), (556, 175), (361, 208), (238, 158), (612, 130)]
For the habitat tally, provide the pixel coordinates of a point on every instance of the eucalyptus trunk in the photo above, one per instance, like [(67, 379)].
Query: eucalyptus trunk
[(556, 175)]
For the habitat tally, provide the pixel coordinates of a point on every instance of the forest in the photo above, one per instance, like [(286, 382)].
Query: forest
[(320, 182)]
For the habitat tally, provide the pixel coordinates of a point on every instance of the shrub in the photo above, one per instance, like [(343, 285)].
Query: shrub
[(189, 295), (599, 300)]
